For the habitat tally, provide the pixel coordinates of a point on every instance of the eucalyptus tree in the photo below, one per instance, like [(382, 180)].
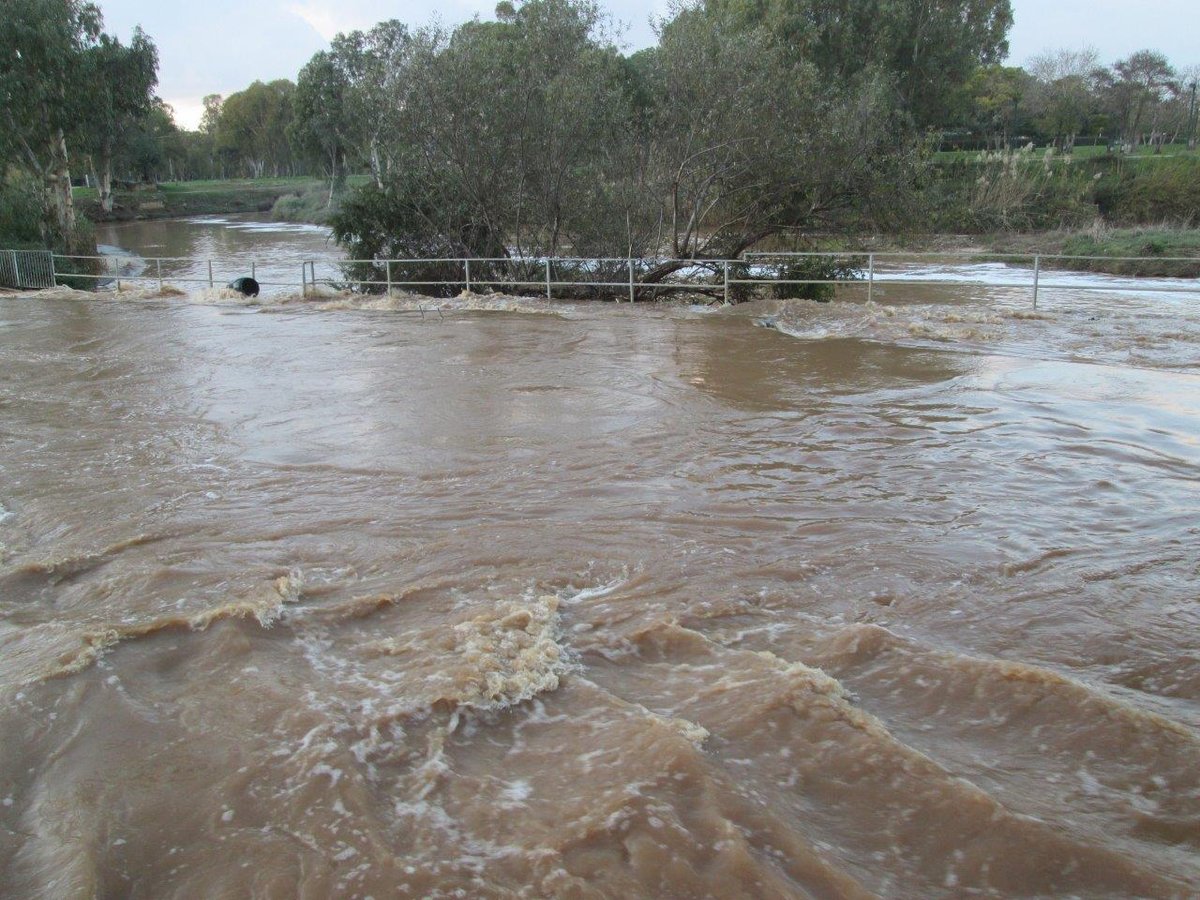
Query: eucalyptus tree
[(500, 138), (122, 81), (376, 67), (323, 125), (44, 94), (156, 150), (998, 100), (253, 126)]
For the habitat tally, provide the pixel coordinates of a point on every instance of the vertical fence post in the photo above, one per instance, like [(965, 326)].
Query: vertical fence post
[(158, 268), (467, 270), (632, 292), (312, 274), (870, 277), (53, 272), (16, 269), (388, 266), (303, 279), (547, 278), (254, 269), (210, 278), (1037, 271), (725, 265)]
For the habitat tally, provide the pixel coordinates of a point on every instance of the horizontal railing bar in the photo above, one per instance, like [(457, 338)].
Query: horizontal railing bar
[(668, 284), (541, 260), (957, 255)]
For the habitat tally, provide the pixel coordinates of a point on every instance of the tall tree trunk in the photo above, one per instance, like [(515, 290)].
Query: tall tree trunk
[(337, 176), (58, 189), (104, 181), (376, 163)]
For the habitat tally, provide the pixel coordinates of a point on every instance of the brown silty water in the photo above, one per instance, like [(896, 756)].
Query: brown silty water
[(892, 600)]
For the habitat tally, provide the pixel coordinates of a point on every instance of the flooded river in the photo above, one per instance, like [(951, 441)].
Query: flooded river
[(892, 600), (181, 250)]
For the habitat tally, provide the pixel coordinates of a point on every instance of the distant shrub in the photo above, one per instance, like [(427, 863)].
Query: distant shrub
[(311, 205), (1012, 190), (1163, 191)]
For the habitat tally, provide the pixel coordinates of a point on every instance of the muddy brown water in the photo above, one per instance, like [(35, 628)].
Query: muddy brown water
[(899, 600), (181, 250)]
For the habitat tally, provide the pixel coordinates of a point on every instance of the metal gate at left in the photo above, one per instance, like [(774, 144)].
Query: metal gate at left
[(26, 269)]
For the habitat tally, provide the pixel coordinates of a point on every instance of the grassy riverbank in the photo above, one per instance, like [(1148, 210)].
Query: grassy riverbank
[(1159, 249), (194, 198)]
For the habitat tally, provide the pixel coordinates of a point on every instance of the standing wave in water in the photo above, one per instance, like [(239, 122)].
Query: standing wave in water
[(885, 600)]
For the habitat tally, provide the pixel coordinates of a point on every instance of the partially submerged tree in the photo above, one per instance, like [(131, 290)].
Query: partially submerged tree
[(746, 143), (532, 136)]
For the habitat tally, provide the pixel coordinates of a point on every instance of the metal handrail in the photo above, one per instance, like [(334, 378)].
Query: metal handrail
[(724, 273)]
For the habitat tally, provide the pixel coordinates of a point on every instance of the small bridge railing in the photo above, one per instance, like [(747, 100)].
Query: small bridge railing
[(620, 278)]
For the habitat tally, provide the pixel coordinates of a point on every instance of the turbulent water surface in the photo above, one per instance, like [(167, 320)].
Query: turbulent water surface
[(893, 600), (181, 251)]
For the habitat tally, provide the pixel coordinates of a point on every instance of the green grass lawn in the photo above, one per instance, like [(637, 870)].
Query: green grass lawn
[(283, 185), (190, 198)]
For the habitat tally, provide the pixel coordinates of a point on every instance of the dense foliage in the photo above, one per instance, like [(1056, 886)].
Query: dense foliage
[(532, 135), (46, 90)]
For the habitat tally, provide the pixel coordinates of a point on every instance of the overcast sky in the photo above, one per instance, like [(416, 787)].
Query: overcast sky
[(220, 46)]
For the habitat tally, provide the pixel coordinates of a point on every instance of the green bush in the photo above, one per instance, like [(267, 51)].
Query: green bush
[(801, 268), (20, 212), (1008, 191), (374, 224), (815, 268), (310, 205), (1167, 191)]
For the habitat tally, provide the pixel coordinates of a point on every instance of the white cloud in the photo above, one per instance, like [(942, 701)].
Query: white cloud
[(188, 111), (324, 18)]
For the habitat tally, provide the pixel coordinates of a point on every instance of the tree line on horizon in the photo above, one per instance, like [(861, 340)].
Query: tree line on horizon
[(534, 133)]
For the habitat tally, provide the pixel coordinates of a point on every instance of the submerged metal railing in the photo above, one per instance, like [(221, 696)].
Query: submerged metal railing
[(26, 269), (626, 278)]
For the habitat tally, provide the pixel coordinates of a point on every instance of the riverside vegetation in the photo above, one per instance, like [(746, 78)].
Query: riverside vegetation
[(744, 126)]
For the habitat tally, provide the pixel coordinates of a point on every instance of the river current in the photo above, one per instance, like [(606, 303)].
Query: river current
[(894, 599)]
